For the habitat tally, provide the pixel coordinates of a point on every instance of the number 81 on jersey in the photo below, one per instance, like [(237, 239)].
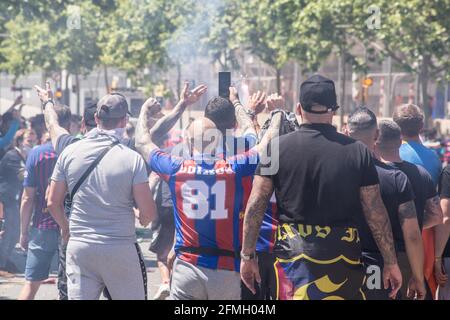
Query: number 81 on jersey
[(197, 199)]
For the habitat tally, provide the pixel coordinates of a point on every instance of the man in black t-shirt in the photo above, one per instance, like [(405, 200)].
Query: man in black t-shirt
[(324, 183), (387, 146), (398, 197), (441, 242)]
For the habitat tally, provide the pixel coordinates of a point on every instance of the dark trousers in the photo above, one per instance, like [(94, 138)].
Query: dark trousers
[(12, 231), (266, 290)]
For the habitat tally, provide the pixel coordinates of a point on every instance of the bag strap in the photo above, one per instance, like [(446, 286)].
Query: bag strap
[(91, 168)]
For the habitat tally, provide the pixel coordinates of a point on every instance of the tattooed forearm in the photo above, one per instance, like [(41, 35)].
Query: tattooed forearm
[(406, 211), (257, 203), (144, 143), (272, 132), (166, 123), (52, 124), (378, 220), (433, 213), (244, 121)]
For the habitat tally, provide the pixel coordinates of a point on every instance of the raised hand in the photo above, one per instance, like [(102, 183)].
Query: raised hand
[(234, 96), (44, 94), (190, 97), (256, 102), (275, 101)]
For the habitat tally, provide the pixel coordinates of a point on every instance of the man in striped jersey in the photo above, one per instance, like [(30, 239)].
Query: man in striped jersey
[(41, 240), (207, 193)]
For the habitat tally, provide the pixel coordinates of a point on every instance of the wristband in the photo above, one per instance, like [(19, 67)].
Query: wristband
[(248, 257), (45, 103), (251, 113)]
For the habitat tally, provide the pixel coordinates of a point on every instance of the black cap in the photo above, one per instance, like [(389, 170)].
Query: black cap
[(88, 114), (318, 90), (112, 106)]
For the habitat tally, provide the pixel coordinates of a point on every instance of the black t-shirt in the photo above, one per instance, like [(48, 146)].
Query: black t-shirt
[(444, 192), (12, 168), (319, 176), (422, 185), (63, 141), (395, 190)]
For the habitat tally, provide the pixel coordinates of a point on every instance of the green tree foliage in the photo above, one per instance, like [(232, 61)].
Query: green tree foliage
[(136, 34), (416, 35)]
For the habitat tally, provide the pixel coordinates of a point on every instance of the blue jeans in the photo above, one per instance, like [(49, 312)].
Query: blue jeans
[(43, 245)]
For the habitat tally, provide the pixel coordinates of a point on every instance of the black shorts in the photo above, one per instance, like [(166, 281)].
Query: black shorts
[(165, 226), (317, 263)]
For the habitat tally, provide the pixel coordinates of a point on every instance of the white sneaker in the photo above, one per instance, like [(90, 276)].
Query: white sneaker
[(163, 292)]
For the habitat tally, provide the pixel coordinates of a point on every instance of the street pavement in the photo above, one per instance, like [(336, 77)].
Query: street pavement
[(10, 287)]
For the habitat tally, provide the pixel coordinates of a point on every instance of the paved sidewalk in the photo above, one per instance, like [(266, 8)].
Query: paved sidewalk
[(10, 287)]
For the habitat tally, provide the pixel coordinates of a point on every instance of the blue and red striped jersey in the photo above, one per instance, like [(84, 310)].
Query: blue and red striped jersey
[(208, 199), (39, 169)]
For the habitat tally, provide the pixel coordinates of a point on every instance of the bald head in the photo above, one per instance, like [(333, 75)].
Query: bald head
[(203, 136)]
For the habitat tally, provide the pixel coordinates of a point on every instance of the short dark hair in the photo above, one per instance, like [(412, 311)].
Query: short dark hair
[(361, 119), (389, 133), (110, 123), (38, 125), (64, 115), (409, 118), (221, 111)]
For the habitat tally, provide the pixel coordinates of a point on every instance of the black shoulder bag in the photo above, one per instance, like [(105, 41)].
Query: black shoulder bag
[(88, 172)]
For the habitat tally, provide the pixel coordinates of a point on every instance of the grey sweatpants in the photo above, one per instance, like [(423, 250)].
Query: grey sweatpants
[(91, 267), (191, 282)]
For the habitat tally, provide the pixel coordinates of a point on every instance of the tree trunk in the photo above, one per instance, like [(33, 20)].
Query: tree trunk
[(424, 77), (105, 73), (77, 84), (278, 71)]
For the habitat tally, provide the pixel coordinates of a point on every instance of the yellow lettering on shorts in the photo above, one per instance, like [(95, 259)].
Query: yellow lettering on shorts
[(322, 232)]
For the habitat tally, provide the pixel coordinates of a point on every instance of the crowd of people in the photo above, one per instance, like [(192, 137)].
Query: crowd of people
[(239, 210)]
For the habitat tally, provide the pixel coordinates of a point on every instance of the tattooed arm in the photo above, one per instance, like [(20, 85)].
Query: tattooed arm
[(50, 115), (148, 135), (433, 213), (166, 123), (378, 220), (247, 123), (51, 122), (254, 213), (144, 142), (414, 248)]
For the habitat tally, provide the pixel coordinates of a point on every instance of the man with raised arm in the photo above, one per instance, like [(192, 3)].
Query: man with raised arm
[(207, 194)]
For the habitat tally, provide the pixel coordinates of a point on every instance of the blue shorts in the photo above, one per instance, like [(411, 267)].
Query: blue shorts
[(42, 247)]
